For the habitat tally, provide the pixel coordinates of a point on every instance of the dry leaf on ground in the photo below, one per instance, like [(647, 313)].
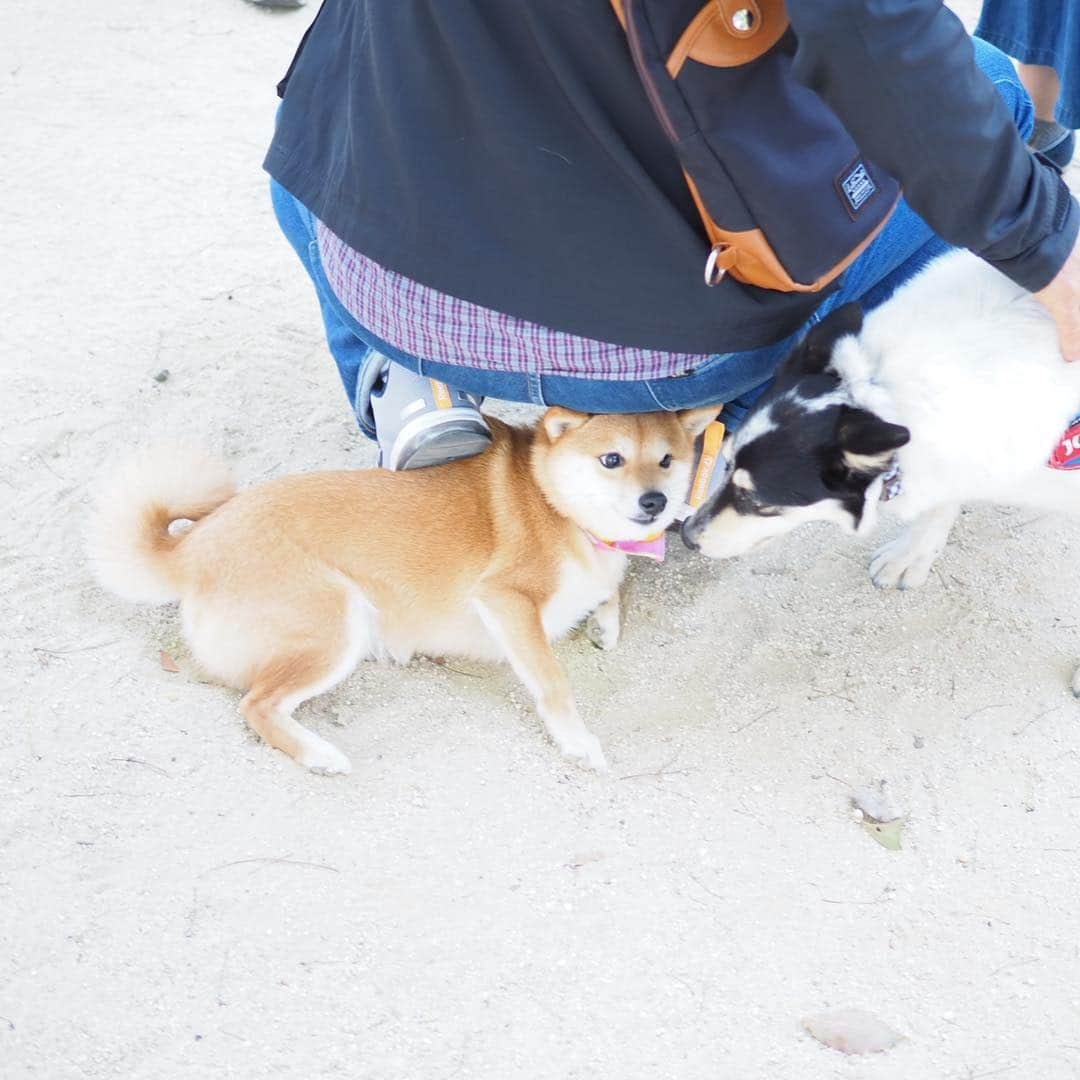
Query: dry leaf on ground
[(886, 833)]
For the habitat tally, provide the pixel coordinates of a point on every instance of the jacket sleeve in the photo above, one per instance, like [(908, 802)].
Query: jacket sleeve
[(901, 75)]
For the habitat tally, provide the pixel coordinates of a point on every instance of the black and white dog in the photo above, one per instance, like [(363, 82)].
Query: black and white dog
[(953, 391)]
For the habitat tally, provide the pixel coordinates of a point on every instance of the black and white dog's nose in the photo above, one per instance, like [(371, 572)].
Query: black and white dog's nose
[(689, 533), (653, 502)]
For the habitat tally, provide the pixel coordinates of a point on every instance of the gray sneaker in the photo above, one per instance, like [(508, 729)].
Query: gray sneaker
[(1053, 141), (421, 421)]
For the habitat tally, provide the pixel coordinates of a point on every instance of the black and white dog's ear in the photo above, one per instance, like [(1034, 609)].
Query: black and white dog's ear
[(812, 355), (862, 447), (865, 442)]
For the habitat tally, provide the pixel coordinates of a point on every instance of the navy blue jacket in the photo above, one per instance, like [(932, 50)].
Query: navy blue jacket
[(504, 151)]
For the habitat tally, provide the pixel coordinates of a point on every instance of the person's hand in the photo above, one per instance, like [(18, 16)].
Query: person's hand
[(1062, 299)]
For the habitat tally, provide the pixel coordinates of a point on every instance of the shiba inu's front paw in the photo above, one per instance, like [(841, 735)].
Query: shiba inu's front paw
[(603, 633), (903, 563), (602, 627), (583, 748), (324, 759)]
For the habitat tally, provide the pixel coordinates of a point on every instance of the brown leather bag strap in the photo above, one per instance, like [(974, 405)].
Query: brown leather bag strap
[(728, 33), (725, 33)]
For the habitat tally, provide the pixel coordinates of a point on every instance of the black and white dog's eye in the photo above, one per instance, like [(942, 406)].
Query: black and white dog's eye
[(665, 462), (611, 461)]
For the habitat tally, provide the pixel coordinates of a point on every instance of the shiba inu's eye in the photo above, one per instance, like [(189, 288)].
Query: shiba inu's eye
[(665, 462), (611, 461)]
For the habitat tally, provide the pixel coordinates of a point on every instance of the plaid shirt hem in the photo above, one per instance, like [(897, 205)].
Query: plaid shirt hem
[(431, 325)]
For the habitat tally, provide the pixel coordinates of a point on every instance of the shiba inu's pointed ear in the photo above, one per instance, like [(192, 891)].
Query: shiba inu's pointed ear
[(558, 421), (695, 421), (865, 441), (812, 355)]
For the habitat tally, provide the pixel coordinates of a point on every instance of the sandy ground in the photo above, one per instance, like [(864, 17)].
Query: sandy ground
[(176, 900)]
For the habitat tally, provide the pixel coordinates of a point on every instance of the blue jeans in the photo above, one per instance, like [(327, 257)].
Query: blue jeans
[(903, 247), (1040, 32)]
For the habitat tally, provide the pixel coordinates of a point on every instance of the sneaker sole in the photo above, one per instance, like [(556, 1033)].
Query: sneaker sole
[(446, 443)]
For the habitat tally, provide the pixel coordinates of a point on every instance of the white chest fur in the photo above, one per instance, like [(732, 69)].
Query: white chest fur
[(584, 584)]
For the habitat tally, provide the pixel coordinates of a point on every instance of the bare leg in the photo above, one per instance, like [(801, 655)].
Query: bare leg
[(1044, 86)]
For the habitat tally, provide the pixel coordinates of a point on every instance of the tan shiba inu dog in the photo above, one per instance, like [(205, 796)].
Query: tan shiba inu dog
[(287, 586)]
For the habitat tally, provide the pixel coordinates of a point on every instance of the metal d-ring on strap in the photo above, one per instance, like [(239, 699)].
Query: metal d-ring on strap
[(714, 273)]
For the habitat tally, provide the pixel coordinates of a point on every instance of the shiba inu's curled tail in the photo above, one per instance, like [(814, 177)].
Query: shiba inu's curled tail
[(129, 545)]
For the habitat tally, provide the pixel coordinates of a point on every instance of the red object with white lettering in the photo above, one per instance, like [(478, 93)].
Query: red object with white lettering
[(1066, 454)]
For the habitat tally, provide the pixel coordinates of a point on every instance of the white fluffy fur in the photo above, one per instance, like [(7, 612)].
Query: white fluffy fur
[(179, 478), (970, 364)]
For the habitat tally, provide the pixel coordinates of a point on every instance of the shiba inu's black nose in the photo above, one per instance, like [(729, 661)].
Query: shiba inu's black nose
[(652, 502)]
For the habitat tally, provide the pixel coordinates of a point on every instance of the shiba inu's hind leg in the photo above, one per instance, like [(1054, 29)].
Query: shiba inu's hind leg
[(322, 646), (276, 691)]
